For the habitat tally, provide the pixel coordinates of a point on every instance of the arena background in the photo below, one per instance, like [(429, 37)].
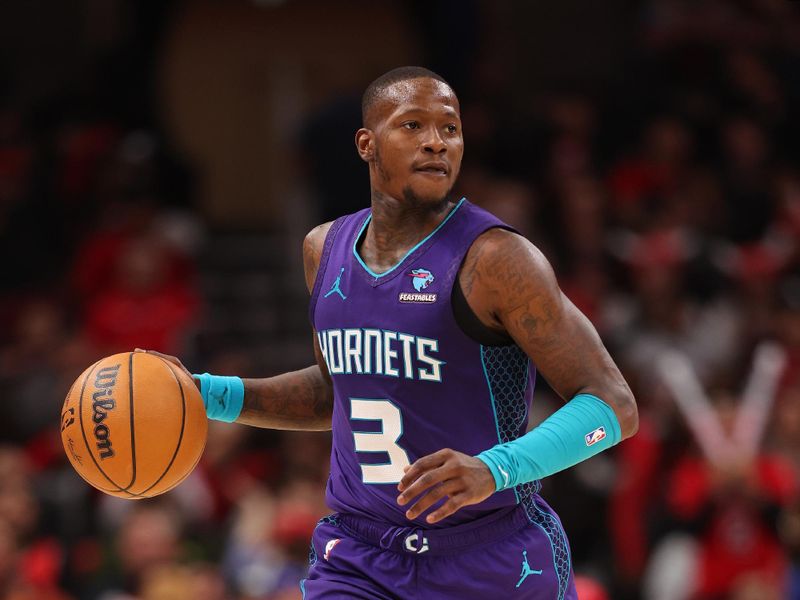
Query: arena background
[(160, 162)]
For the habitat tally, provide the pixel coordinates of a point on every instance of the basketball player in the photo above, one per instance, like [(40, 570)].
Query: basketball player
[(431, 318)]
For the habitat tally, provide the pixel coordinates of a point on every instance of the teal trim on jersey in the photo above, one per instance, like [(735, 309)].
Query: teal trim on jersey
[(563, 591), (561, 586), (407, 254), (303, 588), (495, 473), (527, 417), (581, 428), (223, 396), (491, 395), (563, 578)]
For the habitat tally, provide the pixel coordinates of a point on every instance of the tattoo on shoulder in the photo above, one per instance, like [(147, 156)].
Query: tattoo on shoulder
[(493, 264)]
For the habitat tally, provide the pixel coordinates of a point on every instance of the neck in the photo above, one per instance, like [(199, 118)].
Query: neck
[(398, 225)]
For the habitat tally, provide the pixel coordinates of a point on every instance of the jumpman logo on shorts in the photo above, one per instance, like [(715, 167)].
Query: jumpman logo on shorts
[(526, 569), (335, 289)]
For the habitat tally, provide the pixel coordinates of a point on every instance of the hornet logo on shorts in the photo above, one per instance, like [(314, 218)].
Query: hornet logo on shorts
[(595, 436), (420, 279), (329, 548)]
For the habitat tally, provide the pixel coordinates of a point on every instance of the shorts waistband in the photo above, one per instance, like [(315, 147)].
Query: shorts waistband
[(432, 542)]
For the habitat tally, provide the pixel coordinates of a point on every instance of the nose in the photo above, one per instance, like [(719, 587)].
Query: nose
[(434, 142)]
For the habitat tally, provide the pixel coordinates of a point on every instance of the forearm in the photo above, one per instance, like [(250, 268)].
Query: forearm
[(300, 400), (577, 431)]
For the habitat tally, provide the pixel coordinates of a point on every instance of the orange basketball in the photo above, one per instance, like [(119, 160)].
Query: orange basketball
[(133, 425)]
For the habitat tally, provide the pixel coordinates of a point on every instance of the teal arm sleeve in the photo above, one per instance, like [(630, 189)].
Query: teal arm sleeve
[(581, 428), (222, 395)]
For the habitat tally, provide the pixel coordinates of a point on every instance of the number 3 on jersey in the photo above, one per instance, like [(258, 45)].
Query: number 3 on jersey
[(385, 440)]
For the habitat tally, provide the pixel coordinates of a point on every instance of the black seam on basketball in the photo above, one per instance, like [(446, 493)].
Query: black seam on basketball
[(86, 442), (132, 427), (189, 472), (102, 489), (180, 437), (182, 479)]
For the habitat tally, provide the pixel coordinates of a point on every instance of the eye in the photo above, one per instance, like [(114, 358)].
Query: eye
[(411, 125), (452, 128)]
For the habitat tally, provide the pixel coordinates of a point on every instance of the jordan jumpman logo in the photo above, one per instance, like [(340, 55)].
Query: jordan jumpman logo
[(335, 287), (526, 569)]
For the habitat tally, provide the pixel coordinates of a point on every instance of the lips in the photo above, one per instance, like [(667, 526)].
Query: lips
[(433, 168)]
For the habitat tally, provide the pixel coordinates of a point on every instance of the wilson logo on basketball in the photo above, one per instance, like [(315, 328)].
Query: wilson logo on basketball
[(102, 402)]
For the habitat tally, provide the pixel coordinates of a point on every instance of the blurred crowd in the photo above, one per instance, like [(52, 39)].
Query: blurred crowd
[(669, 205)]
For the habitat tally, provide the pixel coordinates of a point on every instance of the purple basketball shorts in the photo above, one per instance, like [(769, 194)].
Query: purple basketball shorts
[(520, 552)]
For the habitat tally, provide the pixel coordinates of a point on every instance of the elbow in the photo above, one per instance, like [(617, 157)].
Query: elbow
[(327, 417), (627, 415), (621, 401), (322, 419), (323, 410)]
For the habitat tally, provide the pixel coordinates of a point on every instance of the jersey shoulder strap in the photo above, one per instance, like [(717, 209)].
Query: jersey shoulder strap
[(338, 228)]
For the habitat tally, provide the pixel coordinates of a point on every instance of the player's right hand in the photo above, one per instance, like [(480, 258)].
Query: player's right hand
[(463, 479), (172, 359)]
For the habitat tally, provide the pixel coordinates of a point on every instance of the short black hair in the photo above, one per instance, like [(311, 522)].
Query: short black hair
[(375, 90)]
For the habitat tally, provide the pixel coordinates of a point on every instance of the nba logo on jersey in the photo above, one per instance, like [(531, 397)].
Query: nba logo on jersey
[(595, 436)]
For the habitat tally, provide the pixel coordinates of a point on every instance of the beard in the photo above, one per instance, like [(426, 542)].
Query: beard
[(414, 200), (411, 198)]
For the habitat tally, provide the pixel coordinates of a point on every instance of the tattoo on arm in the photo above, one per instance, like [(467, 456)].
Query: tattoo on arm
[(512, 287), (300, 400)]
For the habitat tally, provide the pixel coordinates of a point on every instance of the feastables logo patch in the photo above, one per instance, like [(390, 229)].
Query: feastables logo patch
[(420, 279)]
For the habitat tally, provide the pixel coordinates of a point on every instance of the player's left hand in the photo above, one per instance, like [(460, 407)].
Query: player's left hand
[(462, 478)]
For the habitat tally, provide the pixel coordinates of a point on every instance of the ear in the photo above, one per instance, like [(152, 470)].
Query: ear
[(365, 144)]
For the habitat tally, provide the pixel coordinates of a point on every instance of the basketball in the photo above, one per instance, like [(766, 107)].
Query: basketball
[(133, 425)]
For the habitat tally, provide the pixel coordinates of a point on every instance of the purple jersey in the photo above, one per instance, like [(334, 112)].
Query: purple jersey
[(407, 381)]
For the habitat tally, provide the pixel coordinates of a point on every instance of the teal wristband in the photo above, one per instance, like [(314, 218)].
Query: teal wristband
[(581, 428), (223, 396)]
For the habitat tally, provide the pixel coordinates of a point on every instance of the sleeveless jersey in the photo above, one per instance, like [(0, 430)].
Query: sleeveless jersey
[(407, 380)]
